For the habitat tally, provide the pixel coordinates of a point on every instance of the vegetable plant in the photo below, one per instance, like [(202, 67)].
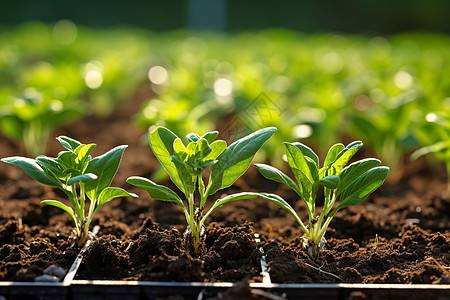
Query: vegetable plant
[(351, 184), (186, 165), (32, 118), (80, 177), (435, 134)]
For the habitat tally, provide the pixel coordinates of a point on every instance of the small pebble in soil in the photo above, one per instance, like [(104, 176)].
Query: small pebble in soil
[(55, 271)]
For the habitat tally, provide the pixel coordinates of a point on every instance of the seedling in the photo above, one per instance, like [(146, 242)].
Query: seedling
[(435, 133), (186, 166), (78, 175), (351, 184), (32, 118)]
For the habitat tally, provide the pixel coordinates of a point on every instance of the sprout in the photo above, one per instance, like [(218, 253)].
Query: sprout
[(186, 165), (78, 175), (352, 184)]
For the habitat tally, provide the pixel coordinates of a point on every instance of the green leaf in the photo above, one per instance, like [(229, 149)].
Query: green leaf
[(105, 167), (210, 136), (297, 160), (113, 192), (308, 152), (186, 176), (249, 195), (155, 191), (61, 206), (230, 198), (274, 174), (82, 153), (353, 171), (68, 143), (203, 148), (52, 165), (305, 186), (344, 157), (217, 148), (83, 178), (331, 181), (332, 154), (162, 141), (330, 158), (192, 137), (236, 159), (358, 191), (34, 170)]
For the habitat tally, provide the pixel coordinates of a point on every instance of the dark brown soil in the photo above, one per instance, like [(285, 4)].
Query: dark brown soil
[(153, 253), (401, 234)]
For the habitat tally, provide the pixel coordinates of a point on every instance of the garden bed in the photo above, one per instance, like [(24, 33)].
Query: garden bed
[(400, 235)]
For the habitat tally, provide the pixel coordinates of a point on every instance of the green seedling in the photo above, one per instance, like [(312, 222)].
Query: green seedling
[(186, 166), (80, 177), (32, 118), (351, 184), (435, 134)]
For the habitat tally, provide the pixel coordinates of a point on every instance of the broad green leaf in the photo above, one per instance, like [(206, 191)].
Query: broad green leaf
[(358, 191), (332, 154), (66, 159), (331, 181), (210, 136), (61, 206), (193, 137), (83, 178), (236, 159), (52, 165), (217, 148), (297, 160), (203, 148), (105, 167), (344, 157), (179, 150), (83, 152), (312, 168), (112, 192), (68, 143), (162, 141), (305, 186), (308, 152), (155, 191), (353, 171), (186, 175), (274, 174), (34, 170), (331, 157)]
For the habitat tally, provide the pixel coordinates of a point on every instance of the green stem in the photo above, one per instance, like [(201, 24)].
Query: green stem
[(201, 189)]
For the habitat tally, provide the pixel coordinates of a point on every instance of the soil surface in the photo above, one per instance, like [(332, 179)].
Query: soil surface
[(400, 234)]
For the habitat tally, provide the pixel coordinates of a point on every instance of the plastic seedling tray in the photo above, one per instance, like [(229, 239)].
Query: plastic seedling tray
[(114, 289), (11, 290)]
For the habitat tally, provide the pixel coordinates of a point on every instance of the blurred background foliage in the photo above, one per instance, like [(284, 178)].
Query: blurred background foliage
[(320, 72)]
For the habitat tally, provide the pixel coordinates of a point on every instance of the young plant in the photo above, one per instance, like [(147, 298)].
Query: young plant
[(186, 166), (78, 175), (435, 134), (351, 184), (32, 118)]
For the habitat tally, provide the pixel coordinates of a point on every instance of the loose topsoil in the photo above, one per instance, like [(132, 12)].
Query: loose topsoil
[(400, 234)]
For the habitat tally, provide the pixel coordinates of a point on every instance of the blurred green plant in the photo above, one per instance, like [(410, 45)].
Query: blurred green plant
[(32, 118), (434, 133)]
